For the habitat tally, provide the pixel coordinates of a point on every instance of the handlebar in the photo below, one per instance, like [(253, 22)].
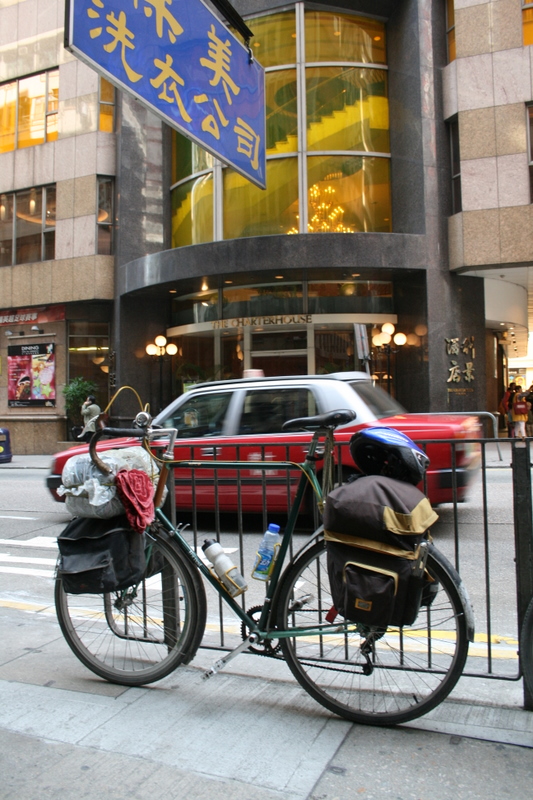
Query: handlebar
[(143, 431)]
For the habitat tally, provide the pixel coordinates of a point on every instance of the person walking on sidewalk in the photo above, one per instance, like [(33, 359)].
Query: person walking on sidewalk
[(519, 411), (506, 405)]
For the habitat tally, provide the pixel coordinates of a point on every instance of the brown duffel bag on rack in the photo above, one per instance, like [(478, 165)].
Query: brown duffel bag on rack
[(376, 530)]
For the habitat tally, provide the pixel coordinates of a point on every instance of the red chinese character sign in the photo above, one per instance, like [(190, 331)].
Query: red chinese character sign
[(178, 58)]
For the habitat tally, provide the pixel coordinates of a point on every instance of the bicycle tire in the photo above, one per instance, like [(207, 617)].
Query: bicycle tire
[(526, 647), (145, 640), (414, 668)]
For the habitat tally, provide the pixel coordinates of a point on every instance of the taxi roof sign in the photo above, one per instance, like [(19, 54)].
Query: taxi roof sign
[(181, 61)]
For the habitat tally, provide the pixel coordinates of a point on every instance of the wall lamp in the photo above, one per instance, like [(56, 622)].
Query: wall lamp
[(37, 329), (158, 349)]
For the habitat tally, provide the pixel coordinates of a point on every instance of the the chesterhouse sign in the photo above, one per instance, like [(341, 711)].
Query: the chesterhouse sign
[(178, 58)]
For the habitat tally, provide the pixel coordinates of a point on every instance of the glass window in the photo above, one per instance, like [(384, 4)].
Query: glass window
[(8, 116), (265, 410), (341, 37), (28, 111), (350, 297), (89, 355), (281, 112), (27, 226), (49, 234), (450, 30), (31, 110), (107, 106), (274, 40), (334, 351), (192, 211), (530, 147), (200, 415), (347, 109), (348, 194), (527, 22), (6, 230), (188, 158), (453, 127), (105, 216), (266, 300), (378, 401), (250, 211)]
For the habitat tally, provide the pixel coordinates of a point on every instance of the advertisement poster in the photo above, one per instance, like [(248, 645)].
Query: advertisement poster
[(31, 375)]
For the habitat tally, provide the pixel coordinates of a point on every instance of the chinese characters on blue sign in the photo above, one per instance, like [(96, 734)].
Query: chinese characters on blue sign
[(456, 347), (180, 60)]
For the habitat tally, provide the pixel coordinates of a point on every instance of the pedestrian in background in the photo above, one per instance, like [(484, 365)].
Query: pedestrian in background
[(90, 412), (529, 423), (506, 405), (519, 411)]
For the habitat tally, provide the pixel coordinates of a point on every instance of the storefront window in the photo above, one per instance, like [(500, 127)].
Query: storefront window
[(341, 37), (348, 194), (345, 109), (195, 361), (192, 212), (89, 355), (250, 211), (350, 297), (255, 301), (334, 351)]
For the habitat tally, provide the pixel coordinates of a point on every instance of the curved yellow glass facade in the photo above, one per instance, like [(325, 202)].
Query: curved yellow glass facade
[(327, 138)]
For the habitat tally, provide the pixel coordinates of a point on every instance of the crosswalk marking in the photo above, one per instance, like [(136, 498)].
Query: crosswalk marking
[(37, 541)]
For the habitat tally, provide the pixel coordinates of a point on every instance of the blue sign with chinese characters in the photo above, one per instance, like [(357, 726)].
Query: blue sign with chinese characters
[(179, 59)]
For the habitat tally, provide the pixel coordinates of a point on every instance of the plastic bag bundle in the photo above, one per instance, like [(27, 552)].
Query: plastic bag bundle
[(90, 493)]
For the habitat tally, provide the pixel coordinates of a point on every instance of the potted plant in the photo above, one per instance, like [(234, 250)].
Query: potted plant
[(76, 393)]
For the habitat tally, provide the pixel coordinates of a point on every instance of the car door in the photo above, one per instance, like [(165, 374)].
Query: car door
[(201, 420), (260, 438)]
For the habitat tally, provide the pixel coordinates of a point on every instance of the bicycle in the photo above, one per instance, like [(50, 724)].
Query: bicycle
[(369, 676)]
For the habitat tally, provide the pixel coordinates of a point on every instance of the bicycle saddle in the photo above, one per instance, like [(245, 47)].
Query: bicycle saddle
[(330, 420)]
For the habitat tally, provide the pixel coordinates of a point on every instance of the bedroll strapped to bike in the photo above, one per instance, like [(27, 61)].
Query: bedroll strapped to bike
[(376, 530)]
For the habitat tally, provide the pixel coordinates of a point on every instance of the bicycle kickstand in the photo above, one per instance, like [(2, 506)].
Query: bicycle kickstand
[(221, 663)]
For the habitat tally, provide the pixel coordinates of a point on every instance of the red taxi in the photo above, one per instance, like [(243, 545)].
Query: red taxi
[(241, 420)]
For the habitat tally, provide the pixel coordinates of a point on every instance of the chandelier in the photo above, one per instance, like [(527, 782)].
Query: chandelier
[(325, 215)]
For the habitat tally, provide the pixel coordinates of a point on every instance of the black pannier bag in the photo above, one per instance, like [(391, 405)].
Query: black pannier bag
[(100, 555), (376, 533)]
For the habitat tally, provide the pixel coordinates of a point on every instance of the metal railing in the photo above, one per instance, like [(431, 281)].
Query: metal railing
[(485, 529)]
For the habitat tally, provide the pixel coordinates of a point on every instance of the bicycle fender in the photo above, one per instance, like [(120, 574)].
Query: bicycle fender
[(461, 589)]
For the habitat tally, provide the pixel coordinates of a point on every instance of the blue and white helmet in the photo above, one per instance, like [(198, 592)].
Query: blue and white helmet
[(386, 451)]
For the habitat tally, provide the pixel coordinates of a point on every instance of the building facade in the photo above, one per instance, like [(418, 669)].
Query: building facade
[(399, 166)]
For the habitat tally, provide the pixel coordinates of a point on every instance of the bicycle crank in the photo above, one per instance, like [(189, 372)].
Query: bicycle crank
[(266, 647)]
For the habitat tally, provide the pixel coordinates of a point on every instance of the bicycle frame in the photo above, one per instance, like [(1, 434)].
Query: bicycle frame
[(262, 628)]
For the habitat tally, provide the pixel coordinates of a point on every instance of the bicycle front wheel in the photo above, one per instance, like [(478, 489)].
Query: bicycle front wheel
[(526, 647), (407, 671), (139, 635)]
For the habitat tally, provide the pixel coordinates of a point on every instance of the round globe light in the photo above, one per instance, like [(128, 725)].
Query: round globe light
[(400, 339), (160, 341), (377, 341), (151, 349), (385, 338), (388, 327), (172, 349)]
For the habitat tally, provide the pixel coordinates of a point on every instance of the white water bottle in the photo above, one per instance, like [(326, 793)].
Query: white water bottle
[(225, 569), (266, 555)]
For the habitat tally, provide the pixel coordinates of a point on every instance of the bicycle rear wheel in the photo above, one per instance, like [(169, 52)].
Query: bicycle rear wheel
[(413, 668), (142, 634), (526, 647)]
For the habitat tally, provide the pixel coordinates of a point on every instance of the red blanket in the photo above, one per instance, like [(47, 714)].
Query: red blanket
[(136, 492)]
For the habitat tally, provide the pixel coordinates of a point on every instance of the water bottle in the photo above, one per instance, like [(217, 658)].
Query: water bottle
[(266, 555), (226, 571)]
